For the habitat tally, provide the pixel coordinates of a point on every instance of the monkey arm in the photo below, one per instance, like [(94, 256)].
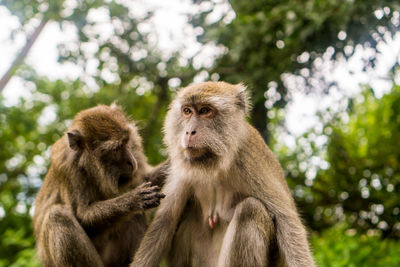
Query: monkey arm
[(159, 236), (291, 235), (292, 241), (159, 173), (103, 213), (265, 181)]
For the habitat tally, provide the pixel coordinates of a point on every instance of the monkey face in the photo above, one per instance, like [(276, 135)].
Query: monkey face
[(106, 143), (120, 164), (196, 119), (206, 118), (198, 137)]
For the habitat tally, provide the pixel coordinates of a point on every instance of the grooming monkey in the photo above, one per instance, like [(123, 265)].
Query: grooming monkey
[(227, 202), (90, 208)]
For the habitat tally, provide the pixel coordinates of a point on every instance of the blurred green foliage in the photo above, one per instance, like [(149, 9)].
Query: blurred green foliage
[(346, 171), (268, 39), (343, 247), (349, 169)]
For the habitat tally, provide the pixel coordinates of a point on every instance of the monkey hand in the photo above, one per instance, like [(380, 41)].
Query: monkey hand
[(147, 196)]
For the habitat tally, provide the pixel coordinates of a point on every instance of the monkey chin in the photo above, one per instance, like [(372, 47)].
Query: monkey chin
[(123, 179), (194, 152), (199, 156)]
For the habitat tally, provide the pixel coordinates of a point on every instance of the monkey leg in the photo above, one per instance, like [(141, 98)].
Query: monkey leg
[(180, 254), (64, 241), (249, 237)]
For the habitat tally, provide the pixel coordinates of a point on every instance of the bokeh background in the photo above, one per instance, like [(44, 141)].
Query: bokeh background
[(323, 74)]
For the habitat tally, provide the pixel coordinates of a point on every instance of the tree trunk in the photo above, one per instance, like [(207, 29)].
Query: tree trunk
[(259, 119), (21, 56), (162, 99)]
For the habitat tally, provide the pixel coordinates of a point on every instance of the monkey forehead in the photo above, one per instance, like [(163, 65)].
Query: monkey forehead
[(104, 123), (208, 89), (217, 93)]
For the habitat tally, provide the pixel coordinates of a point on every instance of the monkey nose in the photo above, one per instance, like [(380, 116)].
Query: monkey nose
[(191, 133)]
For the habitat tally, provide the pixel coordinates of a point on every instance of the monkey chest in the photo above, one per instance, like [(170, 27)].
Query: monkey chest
[(216, 204)]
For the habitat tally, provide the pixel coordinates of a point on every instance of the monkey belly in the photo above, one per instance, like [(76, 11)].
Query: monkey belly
[(216, 202), (195, 243), (207, 245), (117, 247)]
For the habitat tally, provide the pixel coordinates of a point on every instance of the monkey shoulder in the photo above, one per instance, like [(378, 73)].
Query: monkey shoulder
[(254, 150)]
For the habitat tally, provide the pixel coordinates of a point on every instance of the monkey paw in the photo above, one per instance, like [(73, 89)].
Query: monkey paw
[(148, 195)]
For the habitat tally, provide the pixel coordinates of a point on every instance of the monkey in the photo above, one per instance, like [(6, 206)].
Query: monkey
[(227, 201), (90, 208)]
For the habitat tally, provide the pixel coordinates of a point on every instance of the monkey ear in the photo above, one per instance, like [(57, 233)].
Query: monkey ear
[(75, 140), (243, 98)]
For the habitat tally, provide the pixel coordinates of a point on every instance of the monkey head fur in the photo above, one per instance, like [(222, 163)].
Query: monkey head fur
[(200, 117), (106, 147)]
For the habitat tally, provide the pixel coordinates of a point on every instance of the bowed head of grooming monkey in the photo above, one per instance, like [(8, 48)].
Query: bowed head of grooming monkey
[(90, 208)]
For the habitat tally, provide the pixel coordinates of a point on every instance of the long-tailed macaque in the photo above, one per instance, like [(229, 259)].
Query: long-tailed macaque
[(227, 202), (90, 208)]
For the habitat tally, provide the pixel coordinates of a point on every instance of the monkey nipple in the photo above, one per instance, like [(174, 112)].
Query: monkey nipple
[(212, 221)]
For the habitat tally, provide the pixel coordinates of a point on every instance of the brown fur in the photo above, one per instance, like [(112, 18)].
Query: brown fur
[(90, 208), (227, 202)]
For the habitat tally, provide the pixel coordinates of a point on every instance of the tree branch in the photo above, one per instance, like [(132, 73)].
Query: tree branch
[(21, 56)]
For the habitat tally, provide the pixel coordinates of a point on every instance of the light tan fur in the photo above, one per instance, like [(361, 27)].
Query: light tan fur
[(227, 202)]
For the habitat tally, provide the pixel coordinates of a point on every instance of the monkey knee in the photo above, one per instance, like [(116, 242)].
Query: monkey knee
[(65, 241), (61, 229), (253, 209), (60, 216), (253, 235), (250, 204), (251, 213), (58, 211)]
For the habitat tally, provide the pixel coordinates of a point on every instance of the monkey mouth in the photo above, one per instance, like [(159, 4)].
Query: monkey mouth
[(194, 152), (199, 155), (124, 179)]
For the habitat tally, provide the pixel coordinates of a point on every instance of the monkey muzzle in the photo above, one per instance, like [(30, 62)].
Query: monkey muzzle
[(127, 169), (194, 152)]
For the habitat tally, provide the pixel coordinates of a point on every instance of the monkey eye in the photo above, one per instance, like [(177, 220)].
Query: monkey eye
[(204, 111), (118, 147), (187, 111)]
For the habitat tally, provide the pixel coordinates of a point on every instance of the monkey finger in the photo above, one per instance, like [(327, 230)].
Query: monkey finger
[(149, 196), (145, 184), (148, 190), (151, 204), (142, 187), (154, 196), (155, 188)]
